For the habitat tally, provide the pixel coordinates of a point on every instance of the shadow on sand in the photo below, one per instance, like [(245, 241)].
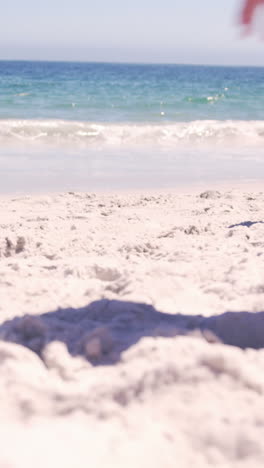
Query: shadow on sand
[(247, 224), (102, 330)]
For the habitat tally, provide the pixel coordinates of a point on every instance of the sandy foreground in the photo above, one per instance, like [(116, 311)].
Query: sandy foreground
[(132, 331)]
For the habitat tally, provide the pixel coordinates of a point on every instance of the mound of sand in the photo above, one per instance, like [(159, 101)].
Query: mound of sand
[(132, 330)]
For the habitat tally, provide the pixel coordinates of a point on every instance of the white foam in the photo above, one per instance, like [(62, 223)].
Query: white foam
[(61, 132)]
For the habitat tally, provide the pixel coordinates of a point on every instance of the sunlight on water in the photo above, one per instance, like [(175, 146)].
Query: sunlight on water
[(86, 126)]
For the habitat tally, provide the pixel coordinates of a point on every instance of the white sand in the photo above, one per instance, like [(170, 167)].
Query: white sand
[(145, 376)]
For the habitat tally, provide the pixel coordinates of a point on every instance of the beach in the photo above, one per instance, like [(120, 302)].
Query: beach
[(132, 328), (131, 265)]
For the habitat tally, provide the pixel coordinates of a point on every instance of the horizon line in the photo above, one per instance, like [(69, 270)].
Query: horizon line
[(140, 63)]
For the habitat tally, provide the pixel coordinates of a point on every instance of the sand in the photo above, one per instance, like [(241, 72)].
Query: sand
[(132, 329)]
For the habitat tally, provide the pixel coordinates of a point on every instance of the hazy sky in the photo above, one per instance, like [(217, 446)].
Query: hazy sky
[(172, 31)]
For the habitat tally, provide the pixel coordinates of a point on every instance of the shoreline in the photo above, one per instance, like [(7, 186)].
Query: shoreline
[(256, 185)]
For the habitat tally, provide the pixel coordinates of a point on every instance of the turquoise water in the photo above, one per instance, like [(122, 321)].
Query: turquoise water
[(88, 125), (129, 93)]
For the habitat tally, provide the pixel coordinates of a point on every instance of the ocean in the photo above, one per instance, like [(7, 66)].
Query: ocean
[(87, 126)]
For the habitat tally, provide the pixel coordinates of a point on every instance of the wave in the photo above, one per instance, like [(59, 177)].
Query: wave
[(62, 132)]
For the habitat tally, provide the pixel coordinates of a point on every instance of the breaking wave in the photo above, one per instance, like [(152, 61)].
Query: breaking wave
[(62, 132)]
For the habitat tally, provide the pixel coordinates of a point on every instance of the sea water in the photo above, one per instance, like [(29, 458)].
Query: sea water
[(85, 126)]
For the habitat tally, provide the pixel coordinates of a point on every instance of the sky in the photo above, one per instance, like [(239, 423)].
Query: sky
[(157, 31)]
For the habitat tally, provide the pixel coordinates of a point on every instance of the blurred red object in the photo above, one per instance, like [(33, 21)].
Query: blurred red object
[(249, 10)]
